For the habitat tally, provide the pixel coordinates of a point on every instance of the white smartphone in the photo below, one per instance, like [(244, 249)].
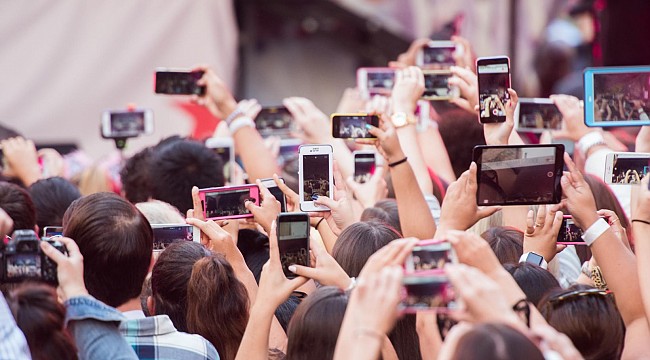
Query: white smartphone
[(315, 176), (364, 165), (224, 147), (375, 81), (626, 167), (437, 55), (126, 123), (537, 115)]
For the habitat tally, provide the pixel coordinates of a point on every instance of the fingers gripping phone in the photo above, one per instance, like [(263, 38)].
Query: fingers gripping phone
[(293, 241), (315, 176), (228, 202), (437, 55), (276, 192), (375, 81), (493, 84), (537, 115), (126, 123), (364, 165), (178, 82)]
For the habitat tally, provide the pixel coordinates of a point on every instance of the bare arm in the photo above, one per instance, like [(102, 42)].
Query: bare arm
[(435, 154)]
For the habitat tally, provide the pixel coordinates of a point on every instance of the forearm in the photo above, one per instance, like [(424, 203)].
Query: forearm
[(344, 157), (435, 154), (246, 277), (409, 141), (641, 233), (254, 344), (414, 214), (327, 236), (355, 343), (258, 161)]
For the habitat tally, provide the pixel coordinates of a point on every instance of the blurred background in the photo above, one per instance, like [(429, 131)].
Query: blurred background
[(63, 62)]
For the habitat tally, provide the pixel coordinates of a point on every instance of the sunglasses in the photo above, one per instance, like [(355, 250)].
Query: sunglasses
[(556, 300)]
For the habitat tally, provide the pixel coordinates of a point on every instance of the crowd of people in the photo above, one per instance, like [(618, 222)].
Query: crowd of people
[(226, 296)]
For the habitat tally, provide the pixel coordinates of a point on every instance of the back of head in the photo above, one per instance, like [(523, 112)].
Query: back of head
[(384, 211), (533, 280), (506, 242), (160, 212), (116, 242), (136, 185), (213, 282), (40, 316), (315, 325), (51, 199), (176, 167), (169, 278), (17, 203), (495, 342), (589, 317), (358, 242)]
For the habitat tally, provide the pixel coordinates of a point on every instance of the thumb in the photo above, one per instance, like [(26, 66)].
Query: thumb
[(485, 212), (324, 200)]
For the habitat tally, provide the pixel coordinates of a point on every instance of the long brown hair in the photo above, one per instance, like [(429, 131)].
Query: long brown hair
[(217, 305)]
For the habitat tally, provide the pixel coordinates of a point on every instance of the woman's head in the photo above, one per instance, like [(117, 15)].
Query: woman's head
[(315, 325), (488, 342), (506, 242), (589, 317), (223, 322), (169, 278), (51, 198), (384, 211), (358, 242), (40, 316), (533, 280)]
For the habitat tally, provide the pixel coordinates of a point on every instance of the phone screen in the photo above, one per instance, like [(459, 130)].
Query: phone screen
[(430, 257), (629, 170), (226, 203), (539, 116), (436, 85), (519, 175), (315, 176), (443, 56), (127, 123), (293, 242), (426, 292), (569, 233), (380, 81), (493, 84), (179, 83), (621, 96), (353, 126), (50, 231), (169, 234), (364, 167), (274, 121)]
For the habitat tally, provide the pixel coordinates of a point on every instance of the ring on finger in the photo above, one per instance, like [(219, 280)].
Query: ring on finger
[(538, 225)]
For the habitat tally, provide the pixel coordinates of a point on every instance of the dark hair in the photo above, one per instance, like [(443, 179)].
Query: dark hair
[(506, 242), (176, 167), (169, 278), (384, 211), (358, 242), (495, 342), (136, 185), (460, 132), (533, 280), (17, 203), (41, 317), (592, 322), (116, 242), (51, 199), (352, 249), (224, 320), (315, 326)]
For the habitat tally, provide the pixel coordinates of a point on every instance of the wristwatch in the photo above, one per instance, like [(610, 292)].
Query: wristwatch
[(534, 258), (401, 119)]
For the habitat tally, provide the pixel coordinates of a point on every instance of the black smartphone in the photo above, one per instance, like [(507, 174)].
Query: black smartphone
[(353, 126), (364, 165), (274, 121), (519, 174), (570, 233), (493, 83), (293, 241), (178, 82), (276, 192), (166, 234)]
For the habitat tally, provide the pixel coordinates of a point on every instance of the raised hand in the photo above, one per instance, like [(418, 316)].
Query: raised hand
[(324, 268), (467, 83), (313, 123), (268, 210), (218, 98), (70, 268), (579, 199), (408, 89), (573, 118), (541, 232), (21, 160)]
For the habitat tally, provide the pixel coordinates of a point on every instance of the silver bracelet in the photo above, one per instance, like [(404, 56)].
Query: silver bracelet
[(353, 284)]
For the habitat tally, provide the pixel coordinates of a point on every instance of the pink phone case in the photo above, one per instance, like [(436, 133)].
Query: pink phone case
[(254, 195)]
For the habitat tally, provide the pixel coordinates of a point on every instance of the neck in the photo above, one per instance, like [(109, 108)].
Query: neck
[(133, 304)]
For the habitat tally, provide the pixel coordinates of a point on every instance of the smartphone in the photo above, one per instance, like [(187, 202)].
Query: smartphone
[(375, 81), (430, 255), (166, 234), (519, 174), (126, 123), (224, 147), (353, 126), (228, 202), (51, 231), (270, 184), (537, 115), (436, 85), (426, 291), (626, 167), (365, 163), (570, 233), (178, 82), (436, 55), (617, 96), (293, 241), (314, 176), (493, 84), (274, 121)]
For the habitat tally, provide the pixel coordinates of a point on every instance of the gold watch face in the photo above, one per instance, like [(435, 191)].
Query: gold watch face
[(399, 119)]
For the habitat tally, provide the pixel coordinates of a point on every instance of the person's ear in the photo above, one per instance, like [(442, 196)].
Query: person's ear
[(152, 262), (150, 306)]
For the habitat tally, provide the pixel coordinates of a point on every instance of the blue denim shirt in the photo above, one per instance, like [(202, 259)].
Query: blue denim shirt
[(94, 326)]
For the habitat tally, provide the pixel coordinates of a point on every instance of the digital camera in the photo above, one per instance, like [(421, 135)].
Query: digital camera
[(21, 258)]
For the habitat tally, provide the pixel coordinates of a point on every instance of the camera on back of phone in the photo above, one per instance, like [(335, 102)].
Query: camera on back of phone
[(21, 258)]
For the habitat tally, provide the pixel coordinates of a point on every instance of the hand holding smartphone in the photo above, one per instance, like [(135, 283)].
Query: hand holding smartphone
[(315, 176), (353, 126), (178, 82), (126, 123), (493, 84), (437, 55), (228, 202), (626, 167), (293, 241)]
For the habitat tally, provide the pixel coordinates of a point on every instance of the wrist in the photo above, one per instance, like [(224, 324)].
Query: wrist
[(75, 291), (227, 106), (397, 156)]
